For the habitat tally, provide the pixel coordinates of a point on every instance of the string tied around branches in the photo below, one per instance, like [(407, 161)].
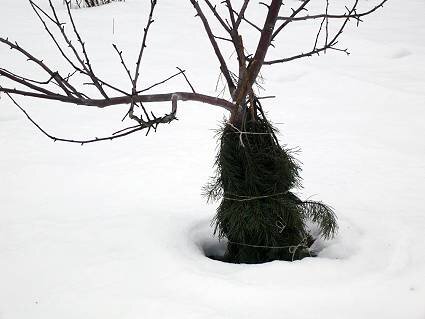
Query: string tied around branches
[(291, 248)]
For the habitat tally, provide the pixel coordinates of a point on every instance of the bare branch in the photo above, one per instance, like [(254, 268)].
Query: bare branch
[(252, 24), (294, 13), (223, 66), (49, 80), (319, 32), (55, 20), (328, 45), (22, 81), (126, 99), (327, 23), (87, 65), (123, 63), (219, 18), (161, 82), (187, 80), (232, 17), (127, 131), (143, 46), (353, 15), (66, 87), (223, 39), (241, 13), (241, 86)]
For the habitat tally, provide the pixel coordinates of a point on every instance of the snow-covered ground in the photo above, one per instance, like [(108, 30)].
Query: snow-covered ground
[(118, 229)]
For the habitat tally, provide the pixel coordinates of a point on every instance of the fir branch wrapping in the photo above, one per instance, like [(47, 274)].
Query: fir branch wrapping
[(259, 214)]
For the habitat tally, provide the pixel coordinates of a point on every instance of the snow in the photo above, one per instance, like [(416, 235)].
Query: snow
[(119, 229)]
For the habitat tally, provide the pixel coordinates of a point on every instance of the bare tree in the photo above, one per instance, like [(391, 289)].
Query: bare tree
[(244, 105)]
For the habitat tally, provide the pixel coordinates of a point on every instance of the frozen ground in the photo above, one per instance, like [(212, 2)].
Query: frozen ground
[(117, 230)]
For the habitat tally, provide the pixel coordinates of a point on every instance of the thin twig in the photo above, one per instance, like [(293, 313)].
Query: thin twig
[(161, 82), (223, 65), (219, 18), (241, 13), (122, 62), (87, 65), (294, 13), (330, 45), (354, 15), (143, 45), (187, 80)]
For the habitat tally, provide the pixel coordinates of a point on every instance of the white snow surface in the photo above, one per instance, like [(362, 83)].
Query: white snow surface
[(119, 229)]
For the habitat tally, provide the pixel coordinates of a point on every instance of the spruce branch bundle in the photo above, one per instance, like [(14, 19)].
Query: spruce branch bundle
[(259, 213)]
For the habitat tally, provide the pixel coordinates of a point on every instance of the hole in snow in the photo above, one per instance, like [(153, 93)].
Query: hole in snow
[(202, 236), (214, 249)]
